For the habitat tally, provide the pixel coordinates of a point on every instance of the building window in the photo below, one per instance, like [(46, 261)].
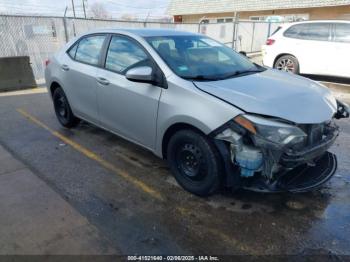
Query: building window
[(224, 20), (257, 18), (281, 18)]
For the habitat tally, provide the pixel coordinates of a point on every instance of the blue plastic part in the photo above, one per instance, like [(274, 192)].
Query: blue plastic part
[(247, 172), (249, 166)]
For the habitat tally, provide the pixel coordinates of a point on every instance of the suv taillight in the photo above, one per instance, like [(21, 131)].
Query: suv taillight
[(47, 62), (270, 41)]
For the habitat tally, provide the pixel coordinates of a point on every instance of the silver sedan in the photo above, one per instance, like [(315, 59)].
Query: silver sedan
[(217, 118)]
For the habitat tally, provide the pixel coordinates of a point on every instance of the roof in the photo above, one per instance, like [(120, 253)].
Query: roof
[(143, 32), (187, 7)]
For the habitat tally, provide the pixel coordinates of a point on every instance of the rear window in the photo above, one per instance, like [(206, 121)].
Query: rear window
[(342, 33), (309, 31)]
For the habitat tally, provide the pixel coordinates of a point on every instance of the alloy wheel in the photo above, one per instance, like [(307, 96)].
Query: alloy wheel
[(286, 65)]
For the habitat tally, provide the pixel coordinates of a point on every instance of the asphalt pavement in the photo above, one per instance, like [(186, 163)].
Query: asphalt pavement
[(124, 200)]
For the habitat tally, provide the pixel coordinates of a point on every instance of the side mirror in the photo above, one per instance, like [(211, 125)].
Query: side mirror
[(243, 53), (141, 74)]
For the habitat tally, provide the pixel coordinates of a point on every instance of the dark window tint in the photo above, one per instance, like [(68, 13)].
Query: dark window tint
[(89, 49), (342, 33), (319, 31), (124, 54), (72, 51), (294, 31), (310, 31)]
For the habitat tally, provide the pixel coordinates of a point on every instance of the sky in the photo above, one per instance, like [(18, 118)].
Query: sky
[(116, 8)]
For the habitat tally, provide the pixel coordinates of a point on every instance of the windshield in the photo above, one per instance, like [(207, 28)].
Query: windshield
[(201, 58)]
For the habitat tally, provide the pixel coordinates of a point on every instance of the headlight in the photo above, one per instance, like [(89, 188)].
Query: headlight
[(270, 130)]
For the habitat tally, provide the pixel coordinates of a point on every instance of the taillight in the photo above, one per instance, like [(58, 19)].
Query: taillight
[(270, 41), (47, 62)]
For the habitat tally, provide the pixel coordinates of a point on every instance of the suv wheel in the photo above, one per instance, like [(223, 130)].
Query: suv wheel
[(195, 162), (62, 109), (287, 63)]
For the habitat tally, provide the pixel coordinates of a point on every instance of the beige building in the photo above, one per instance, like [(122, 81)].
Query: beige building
[(213, 11)]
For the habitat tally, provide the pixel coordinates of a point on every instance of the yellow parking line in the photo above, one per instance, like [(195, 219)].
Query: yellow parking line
[(139, 184), (38, 90)]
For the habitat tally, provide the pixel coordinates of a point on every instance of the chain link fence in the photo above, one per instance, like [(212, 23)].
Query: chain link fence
[(40, 37)]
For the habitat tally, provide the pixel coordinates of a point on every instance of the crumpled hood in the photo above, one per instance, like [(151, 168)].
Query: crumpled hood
[(276, 94)]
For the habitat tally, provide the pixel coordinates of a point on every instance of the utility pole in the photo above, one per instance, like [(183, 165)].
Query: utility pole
[(73, 8), (84, 8)]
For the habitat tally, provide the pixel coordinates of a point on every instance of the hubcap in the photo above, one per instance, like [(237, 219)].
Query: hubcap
[(286, 65), (190, 162)]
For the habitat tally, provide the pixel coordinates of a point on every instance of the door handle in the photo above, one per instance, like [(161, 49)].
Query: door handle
[(65, 67), (102, 81)]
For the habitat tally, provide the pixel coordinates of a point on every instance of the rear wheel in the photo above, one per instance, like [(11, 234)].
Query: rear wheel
[(287, 63), (62, 109), (195, 162)]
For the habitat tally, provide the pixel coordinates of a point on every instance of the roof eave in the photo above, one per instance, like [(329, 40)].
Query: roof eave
[(254, 10)]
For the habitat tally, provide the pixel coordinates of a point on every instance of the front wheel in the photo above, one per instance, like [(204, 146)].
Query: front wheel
[(195, 162), (287, 63), (62, 109)]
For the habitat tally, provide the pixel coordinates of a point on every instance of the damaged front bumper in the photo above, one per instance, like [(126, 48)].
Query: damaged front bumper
[(257, 164), (292, 158)]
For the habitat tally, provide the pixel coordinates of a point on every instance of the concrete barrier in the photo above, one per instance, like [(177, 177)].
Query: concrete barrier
[(16, 73)]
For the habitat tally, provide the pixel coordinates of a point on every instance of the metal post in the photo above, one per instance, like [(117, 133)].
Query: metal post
[(73, 8), (269, 30), (234, 33), (84, 8), (199, 24), (65, 25), (251, 47), (146, 19)]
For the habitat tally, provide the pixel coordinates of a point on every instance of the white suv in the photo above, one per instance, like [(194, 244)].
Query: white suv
[(312, 47)]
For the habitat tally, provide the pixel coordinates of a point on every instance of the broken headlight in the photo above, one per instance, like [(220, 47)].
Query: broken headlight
[(271, 130)]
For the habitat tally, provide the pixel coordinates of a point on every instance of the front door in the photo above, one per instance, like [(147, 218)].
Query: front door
[(127, 108), (339, 62)]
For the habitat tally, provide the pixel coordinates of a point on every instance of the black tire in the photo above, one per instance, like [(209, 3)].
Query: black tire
[(287, 63), (63, 110), (195, 162)]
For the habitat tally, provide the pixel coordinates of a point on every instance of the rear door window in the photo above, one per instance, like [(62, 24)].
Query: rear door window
[(318, 31), (310, 31), (342, 32), (89, 49)]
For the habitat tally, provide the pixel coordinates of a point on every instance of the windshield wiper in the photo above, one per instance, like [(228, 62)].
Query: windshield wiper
[(241, 72), (200, 78), (222, 77)]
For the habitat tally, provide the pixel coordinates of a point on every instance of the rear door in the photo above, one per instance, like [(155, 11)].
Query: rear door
[(79, 69), (310, 43), (127, 108), (340, 60)]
